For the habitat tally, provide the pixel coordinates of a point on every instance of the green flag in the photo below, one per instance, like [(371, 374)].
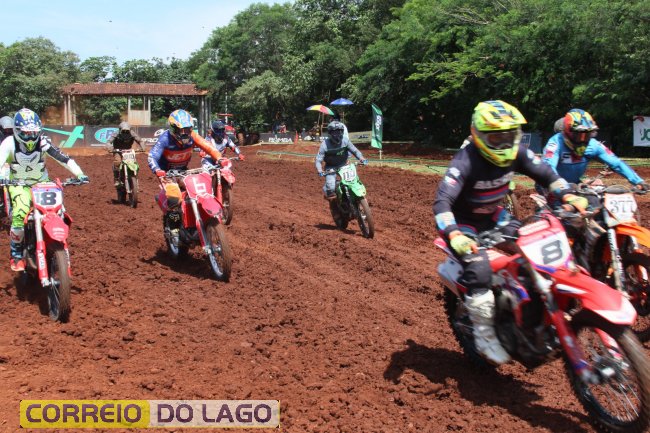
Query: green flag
[(377, 127)]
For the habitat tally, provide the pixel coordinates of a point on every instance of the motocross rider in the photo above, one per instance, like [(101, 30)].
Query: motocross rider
[(569, 151), (123, 140), (334, 151), (25, 151), (470, 198), (218, 138), (173, 150)]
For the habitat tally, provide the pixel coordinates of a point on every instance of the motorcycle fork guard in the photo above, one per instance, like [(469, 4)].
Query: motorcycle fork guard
[(209, 207)]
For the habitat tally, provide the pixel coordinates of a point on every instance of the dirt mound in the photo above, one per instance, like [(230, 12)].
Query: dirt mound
[(349, 333)]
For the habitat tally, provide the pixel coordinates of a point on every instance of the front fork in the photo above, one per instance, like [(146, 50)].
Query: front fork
[(127, 187), (218, 192), (41, 261), (200, 228), (617, 262)]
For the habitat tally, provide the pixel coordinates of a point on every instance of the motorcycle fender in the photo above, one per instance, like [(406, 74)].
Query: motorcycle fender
[(209, 207), (55, 228), (598, 297), (642, 234), (228, 176), (358, 189), (133, 166)]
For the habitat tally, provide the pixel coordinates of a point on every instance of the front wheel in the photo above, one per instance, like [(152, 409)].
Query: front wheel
[(133, 195), (219, 254), (618, 397), (636, 267), (364, 218), (58, 296)]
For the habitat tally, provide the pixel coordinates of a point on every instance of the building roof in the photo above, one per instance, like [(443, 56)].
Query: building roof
[(133, 89)]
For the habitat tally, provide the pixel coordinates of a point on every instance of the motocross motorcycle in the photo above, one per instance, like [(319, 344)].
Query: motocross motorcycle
[(127, 190), (46, 244), (198, 220), (548, 307), (351, 201), (223, 183), (607, 240)]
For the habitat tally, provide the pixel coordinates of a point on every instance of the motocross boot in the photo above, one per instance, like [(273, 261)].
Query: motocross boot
[(16, 247), (481, 313), (116, 178), (174, 224)]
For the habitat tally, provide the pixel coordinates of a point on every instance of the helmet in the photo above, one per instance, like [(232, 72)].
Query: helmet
[(180, 125), (579, 128), (335, 130), (27, 129), (7, 125), (496, 129), (125, 127), (218, 130), (559, 125)]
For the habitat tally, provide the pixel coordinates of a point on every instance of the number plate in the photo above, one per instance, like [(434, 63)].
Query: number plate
[(622, 206), (348, 173), (47, 197), (552, 250), (128, 156)]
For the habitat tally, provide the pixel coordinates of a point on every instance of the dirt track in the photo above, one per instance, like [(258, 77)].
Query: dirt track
[(348, 333)]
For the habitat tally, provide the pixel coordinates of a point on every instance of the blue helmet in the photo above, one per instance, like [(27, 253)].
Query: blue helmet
[(180, 125), (218, 130), (27, 129)]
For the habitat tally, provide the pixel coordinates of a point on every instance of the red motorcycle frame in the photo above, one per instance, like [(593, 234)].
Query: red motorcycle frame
[(546, 307), (201, 221)]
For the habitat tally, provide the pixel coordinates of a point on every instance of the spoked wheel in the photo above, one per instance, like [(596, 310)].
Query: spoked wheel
[(637, 277), (364, 218), (226, 198), (58, 296), (177, 251), (618, 397), (133, 195), (220, 254)]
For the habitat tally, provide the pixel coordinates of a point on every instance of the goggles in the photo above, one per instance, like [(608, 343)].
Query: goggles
[(502, 139)]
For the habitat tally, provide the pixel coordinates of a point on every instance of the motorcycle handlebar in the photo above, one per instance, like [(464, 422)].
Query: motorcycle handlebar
[(335, 170), (22, 182)]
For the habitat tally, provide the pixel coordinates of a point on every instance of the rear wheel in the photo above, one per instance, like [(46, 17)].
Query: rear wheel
[(220, 254), (133, 195), (226, 198), (637, 275), (340, 219), (58, 296), (619, 398), (178, 250), (364, 218)]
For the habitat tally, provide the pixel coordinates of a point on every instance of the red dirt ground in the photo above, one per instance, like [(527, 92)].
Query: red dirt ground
[(349, 333)]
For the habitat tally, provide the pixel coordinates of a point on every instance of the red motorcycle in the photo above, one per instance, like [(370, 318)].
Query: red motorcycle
[(200, 220), (46, 244), (547, 307)]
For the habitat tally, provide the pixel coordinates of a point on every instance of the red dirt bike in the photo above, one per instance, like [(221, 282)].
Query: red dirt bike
[(608, 241), (46, 244), (199, 222), (223, 183), (547, 307)]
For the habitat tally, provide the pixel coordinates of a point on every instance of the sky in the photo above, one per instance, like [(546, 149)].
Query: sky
[(126, 30)]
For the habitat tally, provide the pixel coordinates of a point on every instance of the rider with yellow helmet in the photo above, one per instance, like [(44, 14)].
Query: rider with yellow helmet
[(470, 200)]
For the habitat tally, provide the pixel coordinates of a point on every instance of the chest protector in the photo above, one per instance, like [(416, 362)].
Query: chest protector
[(28, 166)]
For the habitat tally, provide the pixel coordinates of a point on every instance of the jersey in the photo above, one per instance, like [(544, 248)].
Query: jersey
[(333, 156), (30, 166), (121, 141), (226, 143), (473, 188), (572, 167), (168, 153)]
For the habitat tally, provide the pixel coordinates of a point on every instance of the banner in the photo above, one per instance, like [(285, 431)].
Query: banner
[(377, 127), (641, 131)]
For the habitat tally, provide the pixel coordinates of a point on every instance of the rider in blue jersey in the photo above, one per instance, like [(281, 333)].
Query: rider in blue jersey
[(569, 151)]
